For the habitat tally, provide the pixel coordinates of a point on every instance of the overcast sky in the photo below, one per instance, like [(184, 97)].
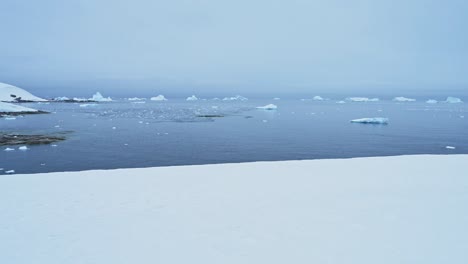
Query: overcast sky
[(261, 46)]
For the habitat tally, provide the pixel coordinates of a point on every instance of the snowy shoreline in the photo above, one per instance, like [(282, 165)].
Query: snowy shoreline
[(360, 210)]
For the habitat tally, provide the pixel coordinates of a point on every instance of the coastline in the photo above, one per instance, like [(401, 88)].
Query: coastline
[(400, 209)]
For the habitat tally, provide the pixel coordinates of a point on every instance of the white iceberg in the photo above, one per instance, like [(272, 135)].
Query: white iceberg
[(192, 98), (371, 120), (14, 108), (23, 148), (318, 98), (276, 98), (10, 171), (268, 107), (453, 100), (450, 147), (86, 105), (61, 98), (10, 93), (76, 99), (431, 101), (9, 149), (235, 98), (136, 99), (99, 98), (362, 99), (159, 98), (403, 99), (341, 102)]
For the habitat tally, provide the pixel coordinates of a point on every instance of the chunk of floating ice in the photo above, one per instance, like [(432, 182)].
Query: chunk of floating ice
[(159, 98), (235, 98), (53, 145), (9, 149), (10, 171), (136, 99), (403, 99), (192, 98), (362, 99), (265, 121), (276, 98), (453, 100), (318, 98), (450, 147), (139, 102), (268, 107), (341, 102), (23, 148), (114, 128), (10, 118), (431, 101), (373, 120), (99, 98)]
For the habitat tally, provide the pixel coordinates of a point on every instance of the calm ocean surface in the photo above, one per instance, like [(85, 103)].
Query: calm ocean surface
[(125, 134)]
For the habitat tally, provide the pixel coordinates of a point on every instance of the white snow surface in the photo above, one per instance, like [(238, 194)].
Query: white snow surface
[(371, 120), (99, 98), (362, 99), (192, 98), (403, 99), (159, 98), (404, 209), (14, 108), (453, 100), (268, 107), (6, 90)]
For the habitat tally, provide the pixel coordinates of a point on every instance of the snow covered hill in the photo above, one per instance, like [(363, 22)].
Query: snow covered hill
[(10, 93), (6, 108)]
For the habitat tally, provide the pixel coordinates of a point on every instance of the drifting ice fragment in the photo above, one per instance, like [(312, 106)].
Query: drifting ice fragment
[(318, 98), (99, 98), (431, 101), (403, 99), (9, 149), (453, 100), (192, 98), (159, 98), (23, 148), (268, 107), (373, 120), (235, 98), (450, 147), (10, 171), (362, 99)]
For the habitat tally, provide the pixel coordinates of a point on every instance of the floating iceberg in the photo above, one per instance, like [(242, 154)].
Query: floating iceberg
[(372, 120), (23, 148), (431, 101), (341, 102), (450, 147), (403, 99), (192, 98), (9, 149), (235, 98), (10, 171), (276, 98), (362, 99), (136, 99), (268, 107), (99, 98), (453, 100), (10, 93), (159, 98), (61, 98), (86, 105), (318, 98), (6, 108)]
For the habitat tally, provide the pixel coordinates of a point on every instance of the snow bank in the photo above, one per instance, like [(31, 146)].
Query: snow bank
[(14, 108), (453, 100), (159, 98), (372, 120), (268, 107), (318, 98), (362, 99), (99, 98), (235, 98), (431, 101), (8, 93), (403, 99), (192, 98), (405, 209)]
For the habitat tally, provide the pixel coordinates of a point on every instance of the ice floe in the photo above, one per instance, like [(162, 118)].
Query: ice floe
[(23, 148), (99, 98), (318, 98), (362, 99), (235, 98), (371, 120), (10, 171), (431, 101), (268, 107), (159, 98), (136, 99), (341, 102), (450, 147), (9, 149), (453, 100), (403, 99), (192, 98)]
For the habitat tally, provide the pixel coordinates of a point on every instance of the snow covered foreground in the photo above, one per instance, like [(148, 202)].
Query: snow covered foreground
[(406, 210)]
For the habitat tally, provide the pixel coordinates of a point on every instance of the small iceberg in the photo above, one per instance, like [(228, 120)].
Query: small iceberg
[(268, 107), (192, 98), (159, 98), (10, 171), (372, 120), (318, 98), (403, 99), (450, 147), (99, 98), (276, 98), (431, 101), (86, 105), (362, 99), (23, 148), (9, 149), (453, 100), (341, 102), (235, 98), (136, 99)]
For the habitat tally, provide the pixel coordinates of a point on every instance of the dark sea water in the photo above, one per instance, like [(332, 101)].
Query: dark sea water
[(124, 134)]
